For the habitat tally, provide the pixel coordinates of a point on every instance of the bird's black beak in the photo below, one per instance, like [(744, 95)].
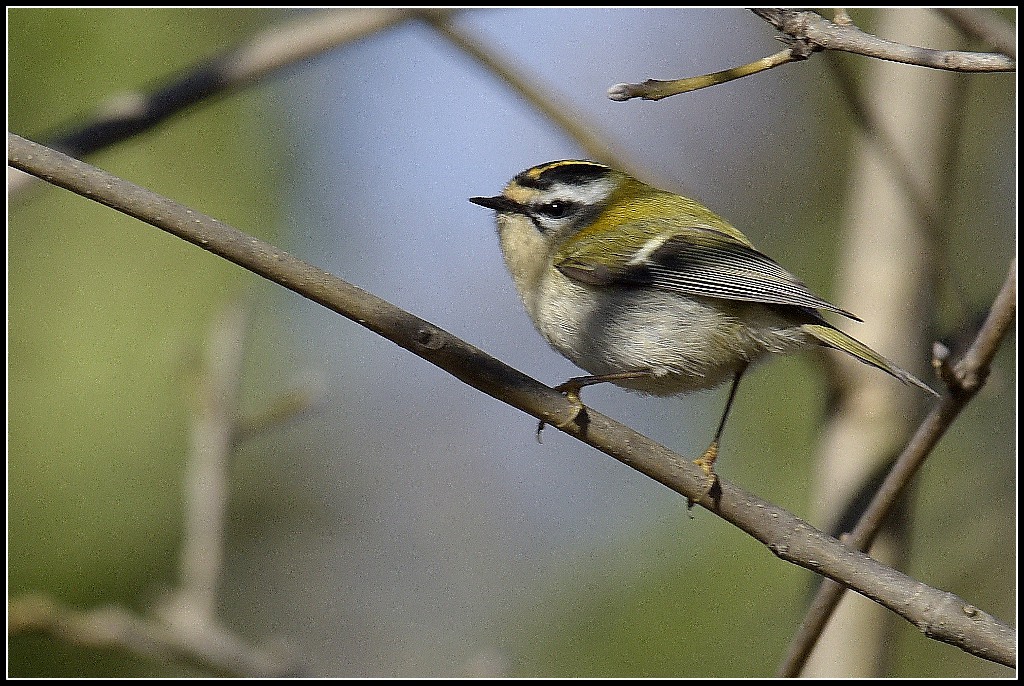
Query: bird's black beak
[(498, 203)]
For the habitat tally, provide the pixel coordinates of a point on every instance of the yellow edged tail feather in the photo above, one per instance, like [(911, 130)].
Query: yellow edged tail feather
[(834, 338)]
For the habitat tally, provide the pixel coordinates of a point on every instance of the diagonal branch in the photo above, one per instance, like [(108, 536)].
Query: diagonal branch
[(942, 615), (264, 54), (655, 89), (965, 379)]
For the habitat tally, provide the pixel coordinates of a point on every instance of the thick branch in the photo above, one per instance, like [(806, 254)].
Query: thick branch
[(944, 615)]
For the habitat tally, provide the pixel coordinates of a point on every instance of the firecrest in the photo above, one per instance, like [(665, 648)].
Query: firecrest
[(650, 290)]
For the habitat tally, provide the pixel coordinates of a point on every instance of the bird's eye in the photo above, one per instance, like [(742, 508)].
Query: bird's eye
[(557, 209)]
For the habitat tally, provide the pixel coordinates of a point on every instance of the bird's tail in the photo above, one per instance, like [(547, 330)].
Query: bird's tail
[(834, 338)]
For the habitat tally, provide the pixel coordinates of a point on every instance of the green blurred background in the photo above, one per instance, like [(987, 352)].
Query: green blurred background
[(405, 525)]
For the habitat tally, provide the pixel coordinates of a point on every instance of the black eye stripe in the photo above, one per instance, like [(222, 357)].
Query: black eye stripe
[(538, 224)]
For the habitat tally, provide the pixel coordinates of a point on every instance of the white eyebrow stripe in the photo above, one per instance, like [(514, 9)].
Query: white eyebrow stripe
[(587, 194), (648, 248)]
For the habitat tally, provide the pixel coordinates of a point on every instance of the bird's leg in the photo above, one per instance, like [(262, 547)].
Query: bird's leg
[(571, 390), (707, 461)]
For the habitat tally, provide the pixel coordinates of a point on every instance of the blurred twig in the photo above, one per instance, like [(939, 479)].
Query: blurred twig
[(924, 196), (206, 490), (210, 649), (942, 615), (984, 25), (127, 114), (284, 407), (917, 192), (183, 627), (562, 114)]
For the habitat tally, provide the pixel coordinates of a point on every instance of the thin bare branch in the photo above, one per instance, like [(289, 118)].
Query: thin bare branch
[(942, 615), (807, 33), (821, 34), (266, 53), (969, 375), (283, 408), (653, 89)]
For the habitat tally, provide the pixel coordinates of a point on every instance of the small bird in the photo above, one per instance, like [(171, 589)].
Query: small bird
[(650, 290)]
